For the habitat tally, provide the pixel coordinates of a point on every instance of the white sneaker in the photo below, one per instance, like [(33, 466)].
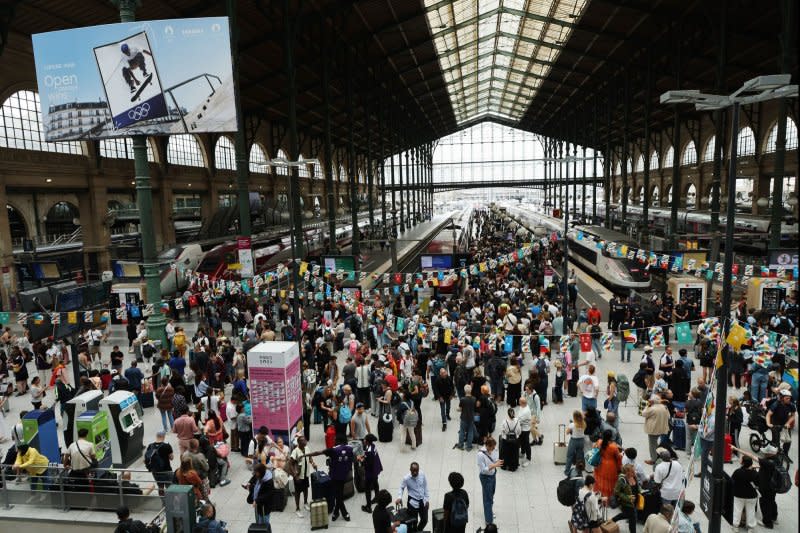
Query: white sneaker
[(299, 514), (306, 507)]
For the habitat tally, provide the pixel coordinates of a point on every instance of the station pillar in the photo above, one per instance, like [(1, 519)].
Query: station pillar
[(8, 275)]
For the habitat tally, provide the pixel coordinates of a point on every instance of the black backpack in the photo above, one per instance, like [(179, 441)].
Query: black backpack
[(566, 492), (780, 481), (459, 513), (152, 460)]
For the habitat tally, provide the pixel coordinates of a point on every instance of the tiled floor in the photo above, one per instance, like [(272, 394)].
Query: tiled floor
[(525, 500)]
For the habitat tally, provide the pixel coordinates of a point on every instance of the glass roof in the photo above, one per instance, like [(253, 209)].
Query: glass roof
[(494, 54)]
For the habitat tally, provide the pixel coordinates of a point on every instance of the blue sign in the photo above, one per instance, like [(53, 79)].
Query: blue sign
[(156, 77)]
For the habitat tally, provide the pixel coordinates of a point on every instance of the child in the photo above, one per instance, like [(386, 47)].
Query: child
[(558, 389), (37, 392)]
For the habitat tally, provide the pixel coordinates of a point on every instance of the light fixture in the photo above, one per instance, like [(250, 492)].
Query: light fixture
[(133, 182), (766, 83), (762, 202), (190, 185), (48, 180)]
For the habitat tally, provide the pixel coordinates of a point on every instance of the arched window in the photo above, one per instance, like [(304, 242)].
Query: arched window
[(708, 153), (618, 168), (184, 150), (304, 172), (316, 170), (669, 195), (19, 230), (746, 144), (629, 166), (654, 197), (669, 158), (21, 127), (640, 196), (281, 169), (640, 163), (342, 174), (122, 149), (654, 160), (689, 156), (225, 154), (61, 219), (791, 137), (258, 160), (691, 197)]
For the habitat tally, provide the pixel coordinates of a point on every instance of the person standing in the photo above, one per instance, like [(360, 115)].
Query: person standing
[(134, 377), (159, 464), (341, 457), (259, 492), (372, 469), (456, 505), (668, 474), (576, 442), (81, 456), (525, 419), (488, 463), (626, 491), (359, 423), (443, 392), (656, 424), (589, 386), (466, 431), (301, 478), (185, 428), (418, 502), (607, 472), (745, 496), (164, 395)]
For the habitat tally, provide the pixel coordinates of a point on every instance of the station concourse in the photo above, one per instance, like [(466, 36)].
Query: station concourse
[(392, 159)]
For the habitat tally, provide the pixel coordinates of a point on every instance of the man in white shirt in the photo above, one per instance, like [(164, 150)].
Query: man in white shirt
[(589, 385), (524, 417), (81, 454), (669, 473), (416, 484)]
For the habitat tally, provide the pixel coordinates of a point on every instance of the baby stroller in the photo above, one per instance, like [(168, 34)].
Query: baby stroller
[(761, 435)]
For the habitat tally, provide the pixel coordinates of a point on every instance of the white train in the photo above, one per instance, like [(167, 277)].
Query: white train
[(615, 272)]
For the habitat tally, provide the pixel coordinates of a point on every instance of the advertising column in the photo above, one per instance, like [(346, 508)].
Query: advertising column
[(275, 387)]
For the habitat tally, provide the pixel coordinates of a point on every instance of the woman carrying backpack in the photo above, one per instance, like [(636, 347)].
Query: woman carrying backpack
[(456, 505)]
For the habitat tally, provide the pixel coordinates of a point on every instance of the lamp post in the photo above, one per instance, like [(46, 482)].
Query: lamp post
[(758, 89)]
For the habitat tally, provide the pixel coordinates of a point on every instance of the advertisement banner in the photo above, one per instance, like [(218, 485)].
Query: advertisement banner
[(275, 386), (155, 77), (245, 250)]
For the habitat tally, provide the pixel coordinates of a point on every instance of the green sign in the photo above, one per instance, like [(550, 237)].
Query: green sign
[(98, 433)]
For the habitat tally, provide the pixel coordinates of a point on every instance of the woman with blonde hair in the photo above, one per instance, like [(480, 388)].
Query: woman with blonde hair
[(576, 442), (612, 402)]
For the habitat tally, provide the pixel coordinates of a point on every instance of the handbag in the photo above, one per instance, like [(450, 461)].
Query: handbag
[(639, 502), (593, 457)]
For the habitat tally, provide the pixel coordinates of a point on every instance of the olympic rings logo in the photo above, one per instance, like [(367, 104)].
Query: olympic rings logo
[(139, 112)]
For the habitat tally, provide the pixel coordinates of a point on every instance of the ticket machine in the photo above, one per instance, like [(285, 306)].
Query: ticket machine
[(39, 431), (88, 401), (125, 425), (96, 423)]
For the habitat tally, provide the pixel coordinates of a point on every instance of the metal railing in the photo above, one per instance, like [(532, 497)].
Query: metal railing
[(58, 488)]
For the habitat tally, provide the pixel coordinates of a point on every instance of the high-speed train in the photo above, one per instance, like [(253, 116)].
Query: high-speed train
[(174, 263), (453, 240), (615, 272), (751, 230)]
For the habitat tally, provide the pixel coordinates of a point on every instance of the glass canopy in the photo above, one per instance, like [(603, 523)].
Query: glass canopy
[(494, 54)]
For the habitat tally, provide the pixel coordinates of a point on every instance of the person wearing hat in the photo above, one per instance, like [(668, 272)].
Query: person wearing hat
[(780, 419), (668, 474)]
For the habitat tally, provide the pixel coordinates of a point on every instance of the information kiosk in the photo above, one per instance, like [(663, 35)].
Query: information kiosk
[(88, 401), (275, 388), (39, 431), (688, 287), (125, 425), (96, 422)]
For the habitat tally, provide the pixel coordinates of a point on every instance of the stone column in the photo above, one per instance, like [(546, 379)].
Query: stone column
[(95, 231), (8, 275)]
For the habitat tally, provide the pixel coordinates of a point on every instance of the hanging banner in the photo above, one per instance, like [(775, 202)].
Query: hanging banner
[(244, 247), (683, 332), (586, 342)]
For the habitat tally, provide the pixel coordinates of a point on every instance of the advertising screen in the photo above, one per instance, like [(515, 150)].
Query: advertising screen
[(436, 262), (155, 77), (345, 263)]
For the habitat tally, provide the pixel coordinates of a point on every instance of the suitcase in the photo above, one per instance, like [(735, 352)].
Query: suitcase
[(404, 516), (279, 499), (385, 427), (509, 453), (572, 384), (146, 399), (319, 514), (259, 528), (679, 434), (560, 446), (437, 519), (321, 488), (360, 476), (330, 436), (728, 448), (349, 488)]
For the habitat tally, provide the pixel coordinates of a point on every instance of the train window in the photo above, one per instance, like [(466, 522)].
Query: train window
[(585, 252)]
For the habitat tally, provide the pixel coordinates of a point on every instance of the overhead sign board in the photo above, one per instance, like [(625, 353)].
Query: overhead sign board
[(156, 77)]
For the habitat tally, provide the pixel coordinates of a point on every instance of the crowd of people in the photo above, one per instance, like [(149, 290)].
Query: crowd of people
[(494, 355)]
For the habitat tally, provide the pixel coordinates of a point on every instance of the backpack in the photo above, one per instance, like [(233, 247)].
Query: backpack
[(638, 379), (579, 517), (152, 461), (353, 348), (438, 365), (565, 492), (345, 414), (780, 481), (541, 367), (623, 388), (459, 514)]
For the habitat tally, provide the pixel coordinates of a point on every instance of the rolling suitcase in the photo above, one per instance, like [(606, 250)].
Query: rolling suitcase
[(360, 476), (728, 448), (319, 514), (259, 528), (349, 488), (437, 519), (509, 453), (404, 516), (679, 433), (279, 499), (572, 384), (321, 488), (560, 446), (385, 427)]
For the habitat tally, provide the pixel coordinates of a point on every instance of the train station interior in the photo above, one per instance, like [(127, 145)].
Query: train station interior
[(379, 139)]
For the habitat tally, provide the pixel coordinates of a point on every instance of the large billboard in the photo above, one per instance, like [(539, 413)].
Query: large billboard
[(157, 77)]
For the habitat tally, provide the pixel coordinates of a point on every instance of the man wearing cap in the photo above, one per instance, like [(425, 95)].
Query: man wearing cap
[(780, 418), (668, 474)]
